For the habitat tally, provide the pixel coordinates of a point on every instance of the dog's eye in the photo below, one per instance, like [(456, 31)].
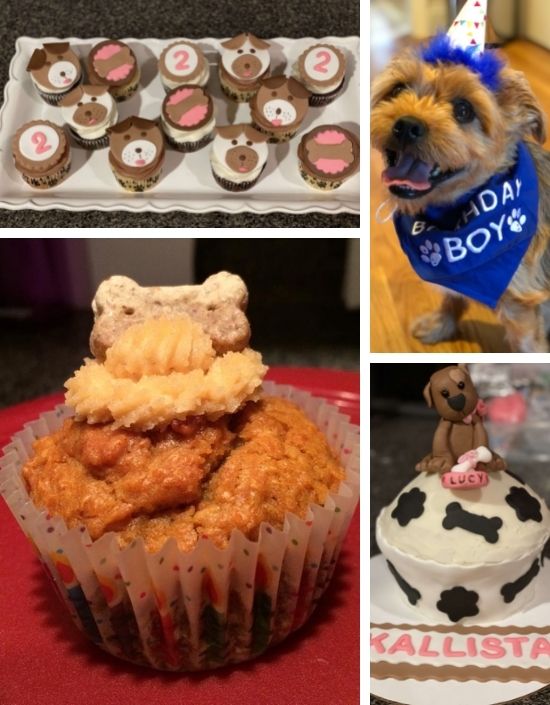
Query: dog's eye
[(144, 134), (463, 111), (274, 94), (126, 137), (461, 385), (445, 393), (47, 63), (79, 105), (60, 57), (94, 99), (234, 142), (248, 143), (253, 51), (396, 90), (290, 98), (239, 51)]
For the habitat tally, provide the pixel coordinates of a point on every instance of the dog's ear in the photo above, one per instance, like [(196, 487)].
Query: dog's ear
[(37, 60), (235, 42), (463, 366), (521, 106), (273, 81), (72, 98), (297, 89), (257, 43), (428, 395)]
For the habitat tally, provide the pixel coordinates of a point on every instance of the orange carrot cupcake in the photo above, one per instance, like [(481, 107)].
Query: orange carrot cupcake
[(191, 515)]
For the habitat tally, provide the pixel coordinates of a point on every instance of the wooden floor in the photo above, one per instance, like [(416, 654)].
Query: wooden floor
[(398, 295)]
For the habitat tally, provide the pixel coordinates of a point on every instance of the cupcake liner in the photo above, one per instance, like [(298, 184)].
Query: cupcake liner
[(188, 146), (134, 185), (97, 143), (233, 185), (185, 611), (45, 182), (317, 100), (319, 184), (275, 137)]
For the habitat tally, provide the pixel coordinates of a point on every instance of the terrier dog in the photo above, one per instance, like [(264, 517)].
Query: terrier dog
[(460, 429), (452, 131)]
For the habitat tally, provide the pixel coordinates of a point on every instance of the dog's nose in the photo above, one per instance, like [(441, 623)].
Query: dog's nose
[(277, 111), (409, 130), (88, 113), (138, 150), (242, 157), (62, 73), (457, 402)]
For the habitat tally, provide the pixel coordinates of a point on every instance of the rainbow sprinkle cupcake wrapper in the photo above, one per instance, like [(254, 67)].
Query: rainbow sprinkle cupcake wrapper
[(187, 611)]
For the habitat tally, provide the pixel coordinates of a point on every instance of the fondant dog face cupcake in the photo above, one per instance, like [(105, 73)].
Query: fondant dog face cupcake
[(89, 111), (239, 154), (113, 64), (279, 107), (183, 63), (55, 70), (244, 61), (136, 153)]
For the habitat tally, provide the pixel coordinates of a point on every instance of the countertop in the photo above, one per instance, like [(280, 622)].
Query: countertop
[(194, 19), (397, 443)]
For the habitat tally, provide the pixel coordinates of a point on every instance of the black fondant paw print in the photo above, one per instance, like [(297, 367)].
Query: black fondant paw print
[(410, 505), (525, 505), (458, 603)]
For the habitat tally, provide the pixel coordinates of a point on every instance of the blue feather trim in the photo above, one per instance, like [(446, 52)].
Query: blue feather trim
[(486, 64)]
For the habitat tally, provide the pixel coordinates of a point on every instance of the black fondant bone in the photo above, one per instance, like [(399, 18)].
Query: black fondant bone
[(510, 590), (475, 523)]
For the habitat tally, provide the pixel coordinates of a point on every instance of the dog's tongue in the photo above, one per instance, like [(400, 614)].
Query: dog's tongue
[(408, 171)]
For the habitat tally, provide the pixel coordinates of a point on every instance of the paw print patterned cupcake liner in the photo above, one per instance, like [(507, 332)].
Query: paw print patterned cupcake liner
[(187, 611)]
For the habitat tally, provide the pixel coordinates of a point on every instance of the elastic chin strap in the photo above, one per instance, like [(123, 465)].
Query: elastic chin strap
[(378, 215)]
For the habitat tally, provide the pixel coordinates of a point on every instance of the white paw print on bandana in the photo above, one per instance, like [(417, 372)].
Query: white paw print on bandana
[(431, 253), (516, 221)]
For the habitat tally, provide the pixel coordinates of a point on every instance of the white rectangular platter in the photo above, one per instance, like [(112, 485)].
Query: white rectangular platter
[(187, 183)]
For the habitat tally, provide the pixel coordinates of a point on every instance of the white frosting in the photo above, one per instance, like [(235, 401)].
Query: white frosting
[(431, 558), (183, 136), (229, 56), (279, 110), (146, 156), (38, 143), (200, 80), (93, 131), (220, 146)]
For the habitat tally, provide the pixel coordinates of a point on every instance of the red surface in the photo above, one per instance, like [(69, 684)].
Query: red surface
[(45, 660)]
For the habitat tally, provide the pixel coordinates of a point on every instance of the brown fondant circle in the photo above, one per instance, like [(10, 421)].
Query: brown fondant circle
[(97, 75), (46, 165), (307, 149), (189, 78), (200, 96), (307, 77)]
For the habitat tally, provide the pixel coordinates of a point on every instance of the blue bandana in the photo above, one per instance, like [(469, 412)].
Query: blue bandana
[(475, 246)]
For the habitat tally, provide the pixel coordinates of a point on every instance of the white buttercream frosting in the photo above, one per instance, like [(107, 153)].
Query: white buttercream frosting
[(182, 136), (201, 80)]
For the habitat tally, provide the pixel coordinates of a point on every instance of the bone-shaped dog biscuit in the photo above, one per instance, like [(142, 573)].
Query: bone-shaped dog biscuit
[(218, 305), (456, 517)]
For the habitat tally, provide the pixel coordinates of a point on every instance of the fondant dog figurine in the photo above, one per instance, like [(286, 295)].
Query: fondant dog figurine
[(471, 196), (460, 429)]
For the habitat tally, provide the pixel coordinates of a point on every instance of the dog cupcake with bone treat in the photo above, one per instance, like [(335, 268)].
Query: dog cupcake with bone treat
[(245, 60), (41, 153), (322, 70), (136, 153), (183, 63), (327, 156), (187, 118), (89, 111), (54, 70), (279, 107), (238, 157), (113, 64)]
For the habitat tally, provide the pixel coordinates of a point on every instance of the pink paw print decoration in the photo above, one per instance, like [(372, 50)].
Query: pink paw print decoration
[(466, 475)]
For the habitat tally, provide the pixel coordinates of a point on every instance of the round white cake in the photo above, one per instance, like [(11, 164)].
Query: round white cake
[(465, 555)]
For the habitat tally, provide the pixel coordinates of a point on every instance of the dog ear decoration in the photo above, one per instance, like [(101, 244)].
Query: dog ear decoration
[(464, 44)]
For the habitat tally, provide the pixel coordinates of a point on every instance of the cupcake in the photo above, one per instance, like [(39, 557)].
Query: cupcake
[(189, 519), (136, 153), (113, 64), (244, 62), (322, 70), (238, 156), (327, 156), (279, 107), (464, 540), (187, 118), (42, 153), (89, 111), (55, 70), (183, 63)]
